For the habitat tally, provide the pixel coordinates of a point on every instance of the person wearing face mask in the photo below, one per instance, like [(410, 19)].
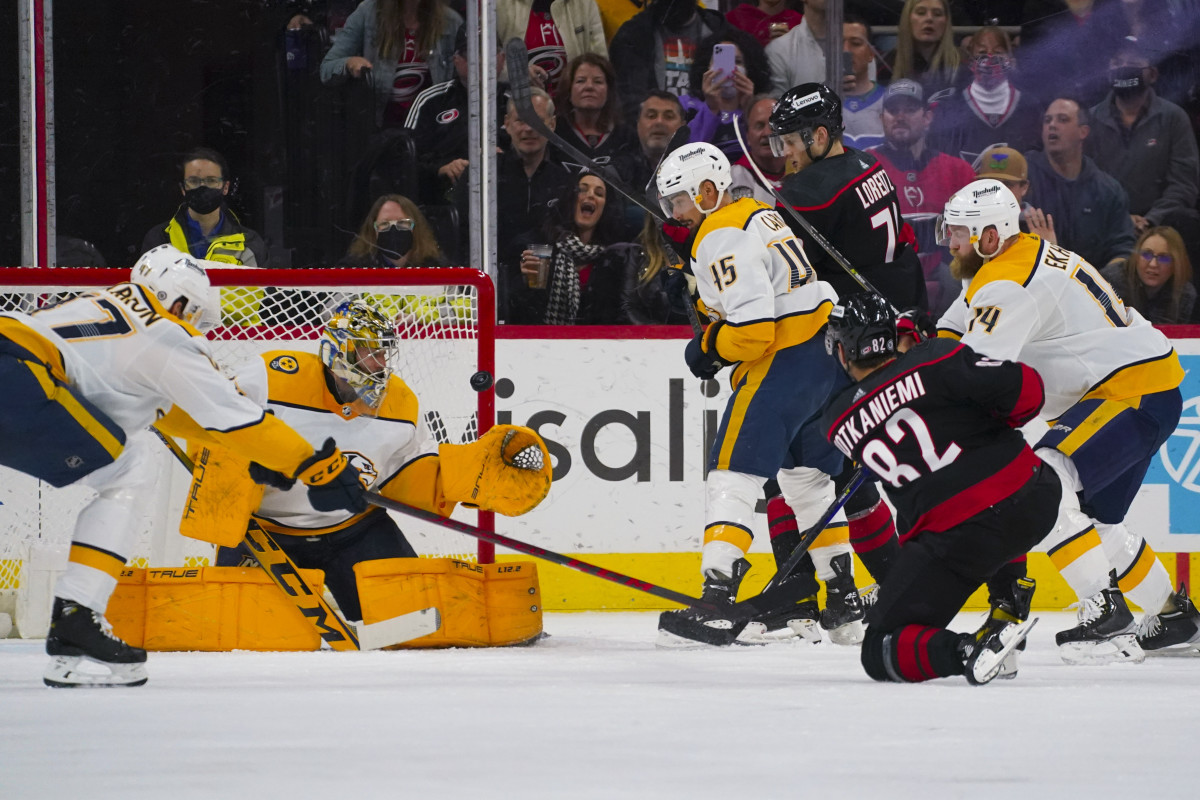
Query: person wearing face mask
[(991, 109), (394, 234), (1147, 144), (203, 226)]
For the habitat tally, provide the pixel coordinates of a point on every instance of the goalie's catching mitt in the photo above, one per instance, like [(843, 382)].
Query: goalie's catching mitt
[(507, 470)]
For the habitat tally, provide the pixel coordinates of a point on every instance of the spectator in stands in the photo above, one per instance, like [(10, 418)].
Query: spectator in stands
[(555, 32), (758, 139), (863, 100), (579, 226), (408, 46), (589, 116), (765, 20), (658, 293), (925, 179), (203, 226), (991, 109), (394, 234), (925, 50), (1156, 278), (653, 50), (1148, 145), (437, 123), (660, 114), (1089, 207), (799, 55), (1010, 168), (1064, 44), (716, 103)]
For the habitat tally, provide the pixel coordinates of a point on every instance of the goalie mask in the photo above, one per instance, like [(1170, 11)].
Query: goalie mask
[(172, 276), (359, 346)]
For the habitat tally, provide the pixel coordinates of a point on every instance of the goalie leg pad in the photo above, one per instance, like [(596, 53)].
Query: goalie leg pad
[(506, 470), (481, 605)]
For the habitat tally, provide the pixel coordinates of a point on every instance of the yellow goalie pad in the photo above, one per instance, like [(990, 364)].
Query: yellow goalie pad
[(482, 605), (506, 470), (221, 497), (209, 608)]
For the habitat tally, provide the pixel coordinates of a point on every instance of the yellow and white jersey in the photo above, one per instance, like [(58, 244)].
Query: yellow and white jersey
[(1045, 306), (121, 350), (753, 272), (293, 386)]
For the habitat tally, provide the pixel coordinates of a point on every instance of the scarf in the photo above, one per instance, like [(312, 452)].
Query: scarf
[(569, 253)]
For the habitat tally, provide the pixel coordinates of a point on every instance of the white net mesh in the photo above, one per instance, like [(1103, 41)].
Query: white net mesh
[(439, 322)]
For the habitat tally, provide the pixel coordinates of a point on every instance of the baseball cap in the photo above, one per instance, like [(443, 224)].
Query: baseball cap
[(1003, 164), (904, 88)]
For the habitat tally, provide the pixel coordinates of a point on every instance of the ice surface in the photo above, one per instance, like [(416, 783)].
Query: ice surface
[(595, 711)]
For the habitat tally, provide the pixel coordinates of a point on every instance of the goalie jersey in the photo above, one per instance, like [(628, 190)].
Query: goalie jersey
[(292, 385), (937, 424), (1047, 307), (753, 272)]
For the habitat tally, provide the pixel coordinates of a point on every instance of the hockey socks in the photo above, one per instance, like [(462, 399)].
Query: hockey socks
[(912, 654), (873, 537)]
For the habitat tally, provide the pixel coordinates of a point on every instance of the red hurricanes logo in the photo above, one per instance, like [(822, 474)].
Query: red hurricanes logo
[(446, 117)]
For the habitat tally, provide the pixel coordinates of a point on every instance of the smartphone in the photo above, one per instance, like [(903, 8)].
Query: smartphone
[(847, 63), (724, 59)]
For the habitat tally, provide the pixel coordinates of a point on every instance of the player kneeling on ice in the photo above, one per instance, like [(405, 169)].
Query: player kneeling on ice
[(83, 381), (767, 309), (937, 424), (348, 391)]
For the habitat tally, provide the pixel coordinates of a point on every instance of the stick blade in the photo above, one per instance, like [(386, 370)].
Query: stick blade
[(399, 630), (516, 60)]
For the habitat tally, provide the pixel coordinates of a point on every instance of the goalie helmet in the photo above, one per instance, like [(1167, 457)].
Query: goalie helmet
[(359, 346), (172, 275), (977, 206), (688, 167), (864, 324)]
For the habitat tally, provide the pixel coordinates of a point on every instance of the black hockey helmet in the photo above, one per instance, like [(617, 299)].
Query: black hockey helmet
[(864, 324), (804, 108)]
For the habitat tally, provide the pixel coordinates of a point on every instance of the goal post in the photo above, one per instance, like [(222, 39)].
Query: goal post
[(445, 324)]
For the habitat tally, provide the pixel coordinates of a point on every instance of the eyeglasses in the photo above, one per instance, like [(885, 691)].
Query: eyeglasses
[(1163, 259), (388, 224), (211, 183)]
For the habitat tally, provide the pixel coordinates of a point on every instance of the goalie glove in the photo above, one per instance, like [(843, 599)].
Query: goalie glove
[(506, 470), (333, 483)]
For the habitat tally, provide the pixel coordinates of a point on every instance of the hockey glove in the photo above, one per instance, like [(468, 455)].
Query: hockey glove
[(701, 353), (269, 477), (917, 323), (332, 481)]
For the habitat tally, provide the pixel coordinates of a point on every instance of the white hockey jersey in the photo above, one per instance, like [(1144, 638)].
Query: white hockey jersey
[(753, 272), (122, 351), (292, 385), (1045, 306)]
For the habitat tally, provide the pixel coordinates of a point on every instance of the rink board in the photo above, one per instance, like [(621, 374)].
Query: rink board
[(625, 423)]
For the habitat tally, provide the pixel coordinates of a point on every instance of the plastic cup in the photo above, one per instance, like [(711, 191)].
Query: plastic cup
[(543, 253)]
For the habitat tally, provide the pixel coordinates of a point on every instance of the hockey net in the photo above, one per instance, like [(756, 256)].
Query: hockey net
[(445, 320)]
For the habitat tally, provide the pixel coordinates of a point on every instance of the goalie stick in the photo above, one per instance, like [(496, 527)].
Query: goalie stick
[(549, 555), (333, 629)]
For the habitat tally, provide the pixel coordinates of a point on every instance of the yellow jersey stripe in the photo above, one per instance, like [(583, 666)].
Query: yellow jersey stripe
[(1138, 570), (59, 393), (39, 348), (1104, 413), (97, 558), (1065, 553), (1157, 374), (832, 535), (737, 414), (735, 535), (1017, 264)]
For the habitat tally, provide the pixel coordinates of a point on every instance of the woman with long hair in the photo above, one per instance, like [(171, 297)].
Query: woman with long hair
[(925, 50), (1156, 279), (720, 102), (394, 234), (589, 112)]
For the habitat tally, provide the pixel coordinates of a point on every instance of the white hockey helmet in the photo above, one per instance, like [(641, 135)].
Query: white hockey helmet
[(173, 275), (688, 167), (979, 205), (359, 346)]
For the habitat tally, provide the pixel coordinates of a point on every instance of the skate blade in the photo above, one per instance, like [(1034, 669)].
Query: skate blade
[(673, 641), (849, 634), (990, 665), (1116, 650), (1189, 650), (796, 631), (65, 672)]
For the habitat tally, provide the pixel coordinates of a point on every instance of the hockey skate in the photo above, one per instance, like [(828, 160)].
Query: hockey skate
[(983, 659), (795, 622), (843, 614), (1105, 633), (1009, 611), (1174, 633), (77, 634), (691, 627)]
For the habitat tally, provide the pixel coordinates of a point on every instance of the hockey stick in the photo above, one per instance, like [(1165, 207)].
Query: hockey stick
[(777, 593), (329, 624), (549, 555), (796, 215)]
